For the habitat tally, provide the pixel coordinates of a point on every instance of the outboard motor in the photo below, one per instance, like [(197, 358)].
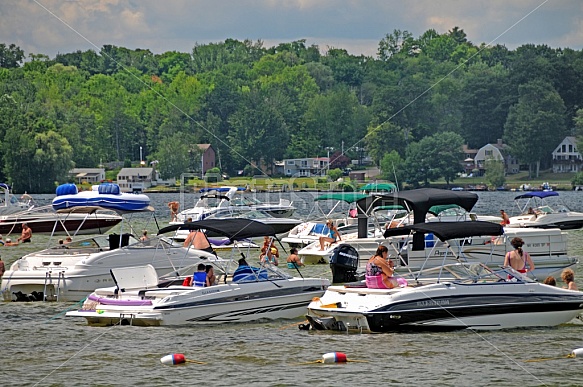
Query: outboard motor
[(344, 263)]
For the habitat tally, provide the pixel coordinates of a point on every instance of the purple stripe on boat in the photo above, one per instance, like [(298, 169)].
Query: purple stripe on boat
[(113, 301)]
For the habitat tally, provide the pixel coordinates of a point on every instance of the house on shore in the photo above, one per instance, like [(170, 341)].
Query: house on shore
[(498, 151), (566, 157), (306, 167), (87, 175), (139, 179)]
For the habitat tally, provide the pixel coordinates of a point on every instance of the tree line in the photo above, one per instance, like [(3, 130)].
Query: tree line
[(411, 107)]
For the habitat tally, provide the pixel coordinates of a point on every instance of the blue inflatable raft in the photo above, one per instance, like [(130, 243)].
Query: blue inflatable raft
[(106, 195)]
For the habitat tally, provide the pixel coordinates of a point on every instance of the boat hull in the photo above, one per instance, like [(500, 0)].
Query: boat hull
[(69, 275), (225, 303), (444, 307)]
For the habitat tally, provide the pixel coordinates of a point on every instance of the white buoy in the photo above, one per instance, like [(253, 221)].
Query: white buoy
[(577, 352)]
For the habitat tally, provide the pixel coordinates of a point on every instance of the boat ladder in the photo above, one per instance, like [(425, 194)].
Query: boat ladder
[(49, 281)]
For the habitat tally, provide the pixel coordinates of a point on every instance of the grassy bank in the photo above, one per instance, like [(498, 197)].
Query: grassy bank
[(560, 181)]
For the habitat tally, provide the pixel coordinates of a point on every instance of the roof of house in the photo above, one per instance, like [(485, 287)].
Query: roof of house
[(135, 171)]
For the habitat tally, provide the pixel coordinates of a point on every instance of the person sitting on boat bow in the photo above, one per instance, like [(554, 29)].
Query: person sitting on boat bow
[(380, 271), (334, 234), (518, 259), (199, 241)]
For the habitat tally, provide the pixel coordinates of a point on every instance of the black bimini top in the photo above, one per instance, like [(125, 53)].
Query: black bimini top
[(449, 230), (234, 229), (420, 200)]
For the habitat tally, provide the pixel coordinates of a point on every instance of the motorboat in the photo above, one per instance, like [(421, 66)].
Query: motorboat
[(307, 232), (68, 272), (140, 298), (280, 225), (270, 294), (543, 209), (454, 297), (414, 248), (72, 221), (76, 213), (222, 201), (10, 203)]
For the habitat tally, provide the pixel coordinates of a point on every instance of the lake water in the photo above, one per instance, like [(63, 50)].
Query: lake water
[(42, 347)]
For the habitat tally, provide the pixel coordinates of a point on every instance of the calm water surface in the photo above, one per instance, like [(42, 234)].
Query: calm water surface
[(42, 347)]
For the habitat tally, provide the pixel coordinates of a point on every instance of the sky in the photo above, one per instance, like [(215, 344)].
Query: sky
[(52, 26)]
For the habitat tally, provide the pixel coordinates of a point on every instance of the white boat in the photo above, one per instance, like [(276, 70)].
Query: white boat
[(69, 272), (307, 232), (456, 296), (73, 221), (542, 209), (10, 204), (262, 293), (223, 201), (413, 250)]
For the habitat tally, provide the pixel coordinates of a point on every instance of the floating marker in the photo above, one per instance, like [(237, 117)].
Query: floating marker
[(577, 352), (334, 357), (177, 358)]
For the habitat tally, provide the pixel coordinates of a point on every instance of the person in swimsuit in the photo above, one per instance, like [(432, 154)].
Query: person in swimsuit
[(380, 271), (505, 219), (26, 234), (333, 237), (519, 259), (568, 277), (294, 260)]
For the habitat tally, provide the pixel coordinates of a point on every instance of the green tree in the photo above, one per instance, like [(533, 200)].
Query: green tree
[(535, 125), (392, 168), (10, 56), (174, 156), (494, 175)]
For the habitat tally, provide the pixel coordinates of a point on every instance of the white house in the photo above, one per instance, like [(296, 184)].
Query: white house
[(306, 167), (135, 179), (87, 175), (566, 158)]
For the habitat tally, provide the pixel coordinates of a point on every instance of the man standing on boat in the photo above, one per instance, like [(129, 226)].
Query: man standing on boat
[(26, 234)]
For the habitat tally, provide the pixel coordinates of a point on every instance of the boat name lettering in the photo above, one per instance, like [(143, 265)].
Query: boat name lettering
[(210, 291), (432, 302)]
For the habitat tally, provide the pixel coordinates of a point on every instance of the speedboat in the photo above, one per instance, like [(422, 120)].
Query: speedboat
[(75, 213), (139, 297), (68, 272), (10, 204), (307, 232), (71, 221), (455, 296), (222, 201), (538, 209), (143, 300), (415, 245)]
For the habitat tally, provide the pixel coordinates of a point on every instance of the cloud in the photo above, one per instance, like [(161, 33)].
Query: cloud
[(51, 26)]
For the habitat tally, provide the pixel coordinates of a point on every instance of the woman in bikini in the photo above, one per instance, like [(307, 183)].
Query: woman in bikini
[(334, 235), (379, 270), (519, 259)]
